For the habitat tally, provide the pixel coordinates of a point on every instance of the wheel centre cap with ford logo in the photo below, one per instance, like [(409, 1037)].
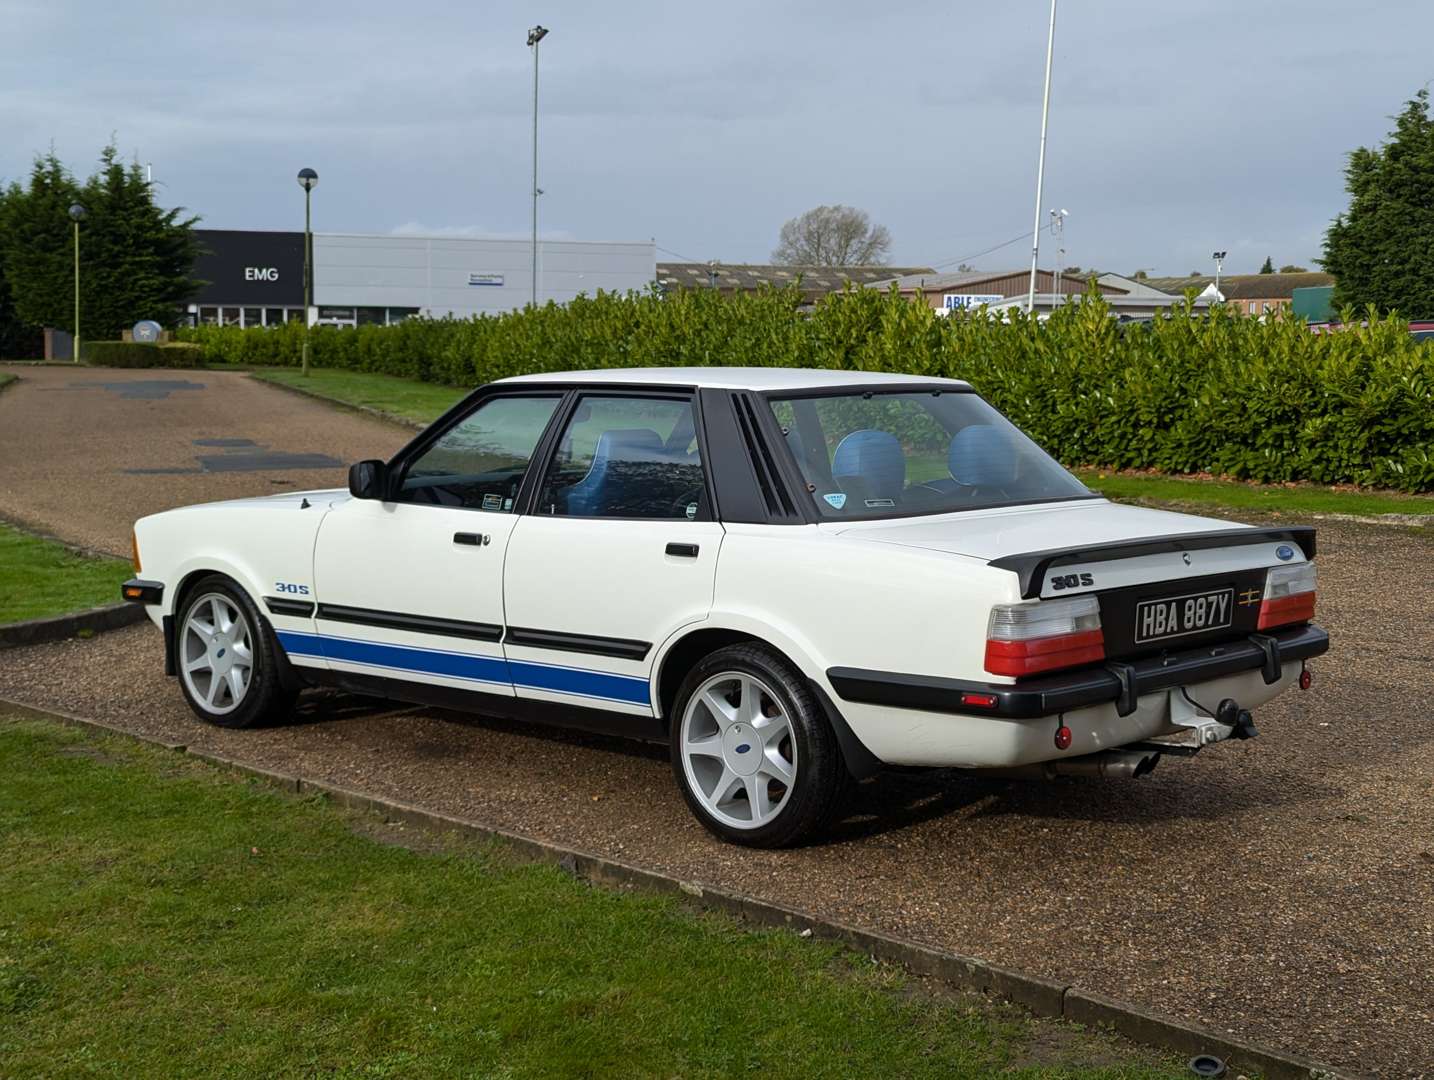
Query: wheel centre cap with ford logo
[(740, 749)]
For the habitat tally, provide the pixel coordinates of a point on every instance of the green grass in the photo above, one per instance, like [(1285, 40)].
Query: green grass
[(40, 578), (163, 918), (1234, 495), (408, 398)]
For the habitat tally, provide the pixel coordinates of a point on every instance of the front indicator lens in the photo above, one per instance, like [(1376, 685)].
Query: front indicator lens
[(134, 550)]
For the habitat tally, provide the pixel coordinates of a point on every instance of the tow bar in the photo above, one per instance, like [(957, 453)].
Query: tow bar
[(1228, 722)]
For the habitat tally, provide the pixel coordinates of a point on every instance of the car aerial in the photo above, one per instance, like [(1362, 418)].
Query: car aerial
[(793, 577)]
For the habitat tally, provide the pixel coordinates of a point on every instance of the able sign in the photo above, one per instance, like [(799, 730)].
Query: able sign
[(970, 301)]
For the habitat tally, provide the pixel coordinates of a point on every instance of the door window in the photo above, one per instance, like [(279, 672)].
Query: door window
[(479, 462), (626, 458)]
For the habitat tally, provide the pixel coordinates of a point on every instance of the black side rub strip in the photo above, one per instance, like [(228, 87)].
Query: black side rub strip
[(1049, 695), (279, 605), (423, 624), (622, 648), (1033, 566)]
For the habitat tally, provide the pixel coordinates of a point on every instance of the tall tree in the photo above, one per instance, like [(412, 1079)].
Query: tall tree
[(832, 236), (1269, 267), (1292, 268), (1379, 250), (136, 259)]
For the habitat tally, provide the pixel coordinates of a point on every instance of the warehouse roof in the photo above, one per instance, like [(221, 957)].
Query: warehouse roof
[(814, 281), (1244, 286)]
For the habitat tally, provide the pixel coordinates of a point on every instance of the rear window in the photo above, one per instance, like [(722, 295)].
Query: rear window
[(877, 455)]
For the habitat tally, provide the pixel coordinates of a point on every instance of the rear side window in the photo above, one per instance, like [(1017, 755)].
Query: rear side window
[(626, 458), (479, 462)]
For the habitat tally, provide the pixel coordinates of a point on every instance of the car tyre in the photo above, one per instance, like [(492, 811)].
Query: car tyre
[(753, 751), (228, 659)]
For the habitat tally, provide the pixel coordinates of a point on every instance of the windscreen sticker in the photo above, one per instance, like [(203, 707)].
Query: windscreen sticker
[(836, 499), (879, 504), (492, 502)]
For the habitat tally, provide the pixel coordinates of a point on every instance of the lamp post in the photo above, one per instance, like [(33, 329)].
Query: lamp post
[(1058, 229), (1219, 257), (308, 180), (1041, 161), (77, 215), (535, 35)]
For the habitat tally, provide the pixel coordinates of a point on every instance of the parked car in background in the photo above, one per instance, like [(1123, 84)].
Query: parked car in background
[(791, 577)]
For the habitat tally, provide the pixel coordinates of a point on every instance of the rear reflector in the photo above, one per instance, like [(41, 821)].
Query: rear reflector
[(1289, 596), (980, 701), (1025, 639)]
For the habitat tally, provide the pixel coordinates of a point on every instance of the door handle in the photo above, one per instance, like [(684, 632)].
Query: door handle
[(683, 551), (472, 539)]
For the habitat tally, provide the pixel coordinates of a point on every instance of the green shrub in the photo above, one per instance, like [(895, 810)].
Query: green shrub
[(141, 354), (1262, 399)]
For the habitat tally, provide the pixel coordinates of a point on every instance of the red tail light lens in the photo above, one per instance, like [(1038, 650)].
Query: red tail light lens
[(1025, 639), (1289, 596)]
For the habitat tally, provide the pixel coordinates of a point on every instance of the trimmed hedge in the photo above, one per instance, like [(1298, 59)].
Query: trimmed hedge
[(142, 354), (1225, 394)]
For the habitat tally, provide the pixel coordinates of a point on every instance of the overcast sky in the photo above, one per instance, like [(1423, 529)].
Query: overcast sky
[(1175, 129)]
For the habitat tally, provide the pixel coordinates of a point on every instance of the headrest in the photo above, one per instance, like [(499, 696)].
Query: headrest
[(875, 458), (982, 456)]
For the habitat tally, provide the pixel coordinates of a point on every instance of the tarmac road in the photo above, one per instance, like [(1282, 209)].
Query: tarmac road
[(1282, 888)]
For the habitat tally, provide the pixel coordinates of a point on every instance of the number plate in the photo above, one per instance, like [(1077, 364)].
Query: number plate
[(1179, 616)]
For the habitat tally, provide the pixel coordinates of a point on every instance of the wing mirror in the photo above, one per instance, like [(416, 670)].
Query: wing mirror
[(368, 479)]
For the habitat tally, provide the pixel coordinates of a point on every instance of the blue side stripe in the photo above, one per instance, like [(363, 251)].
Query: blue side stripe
[(600, 684), (489, 669)]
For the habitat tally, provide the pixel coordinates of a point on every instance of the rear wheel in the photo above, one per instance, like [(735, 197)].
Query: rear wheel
[(227, 658), (752, 750)]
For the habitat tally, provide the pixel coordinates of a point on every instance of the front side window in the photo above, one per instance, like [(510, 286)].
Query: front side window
[(626, 458), (479, 462), (886, 455)]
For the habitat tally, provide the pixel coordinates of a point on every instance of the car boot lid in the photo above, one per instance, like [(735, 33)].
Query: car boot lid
[(1059, 549)]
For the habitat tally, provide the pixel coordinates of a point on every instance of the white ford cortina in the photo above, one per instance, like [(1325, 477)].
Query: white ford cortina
[(793, 577)]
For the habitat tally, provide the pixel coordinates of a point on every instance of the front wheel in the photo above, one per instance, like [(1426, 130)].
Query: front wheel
[(752, 750), (227, 657)]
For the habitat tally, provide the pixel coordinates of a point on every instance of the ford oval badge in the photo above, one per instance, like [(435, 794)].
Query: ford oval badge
[(744, 748), (1285, 552)]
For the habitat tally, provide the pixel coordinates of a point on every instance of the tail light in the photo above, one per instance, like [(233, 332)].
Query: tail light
[(1023, 639), (1289, 596)]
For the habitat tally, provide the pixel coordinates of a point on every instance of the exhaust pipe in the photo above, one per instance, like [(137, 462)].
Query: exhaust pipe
[(1106, 765)]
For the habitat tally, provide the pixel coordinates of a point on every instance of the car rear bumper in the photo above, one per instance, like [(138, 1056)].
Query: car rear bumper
[(1120, 683)]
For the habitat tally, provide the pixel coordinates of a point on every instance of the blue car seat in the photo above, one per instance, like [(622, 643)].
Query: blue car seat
[(617, 474), (869, 465), (982, 456)]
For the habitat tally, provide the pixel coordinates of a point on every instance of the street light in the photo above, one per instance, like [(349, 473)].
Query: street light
[(308, 180), (1041, 162), (1058, 230), (77, 215), (535, 35), (1219, 257)]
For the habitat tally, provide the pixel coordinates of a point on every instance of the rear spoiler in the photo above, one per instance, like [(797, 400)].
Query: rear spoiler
[(1031, 567)]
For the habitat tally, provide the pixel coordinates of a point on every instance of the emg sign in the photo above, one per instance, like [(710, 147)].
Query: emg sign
[(261, 273), (970, 301)]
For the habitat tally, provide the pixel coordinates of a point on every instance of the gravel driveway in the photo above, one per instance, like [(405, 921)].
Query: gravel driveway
[(1282, 889), (85, 451)]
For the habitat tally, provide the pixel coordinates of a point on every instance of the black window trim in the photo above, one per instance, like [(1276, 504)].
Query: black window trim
[(398, 464), (548, 448), (787, 462)]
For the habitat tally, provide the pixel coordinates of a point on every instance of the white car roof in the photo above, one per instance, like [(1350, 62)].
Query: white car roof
[(735, 378)]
